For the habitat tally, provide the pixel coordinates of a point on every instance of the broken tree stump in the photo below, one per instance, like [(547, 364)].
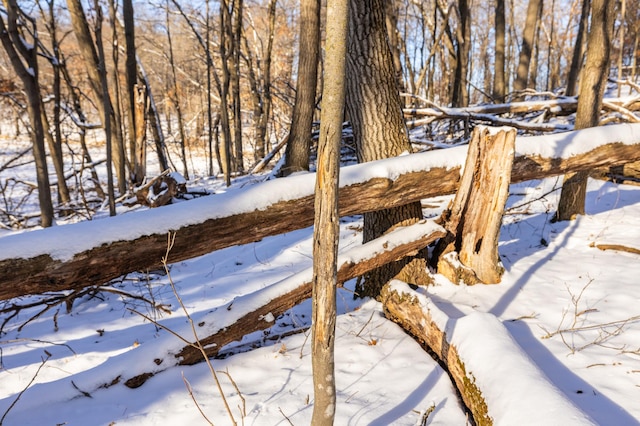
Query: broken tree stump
[(160, 190), (475, 216)]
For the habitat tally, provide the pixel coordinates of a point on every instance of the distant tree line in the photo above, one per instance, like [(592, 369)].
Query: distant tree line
[(232, 80)]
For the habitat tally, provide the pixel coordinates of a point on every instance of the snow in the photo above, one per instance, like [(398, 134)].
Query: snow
[(261, 196), (556, 342)]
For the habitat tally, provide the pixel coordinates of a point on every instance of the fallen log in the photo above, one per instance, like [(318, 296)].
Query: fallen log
[(486, 365), (567, 105), (258, 311), (89, 253)]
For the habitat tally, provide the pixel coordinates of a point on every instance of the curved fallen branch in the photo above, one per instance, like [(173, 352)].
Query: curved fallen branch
[(470, 347)]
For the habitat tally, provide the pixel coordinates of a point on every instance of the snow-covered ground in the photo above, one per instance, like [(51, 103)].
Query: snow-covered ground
[(571, 307)]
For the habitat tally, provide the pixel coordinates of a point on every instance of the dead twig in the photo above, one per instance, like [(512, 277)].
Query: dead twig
[(15, 401)]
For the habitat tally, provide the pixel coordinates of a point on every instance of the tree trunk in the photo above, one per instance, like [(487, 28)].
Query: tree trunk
[(474, 219), (140, 107), (120, 253), (131, 73), (391, 21), (460, 94), (16, 46), (578, 50), (176, 101), (374, 107), (92, 65), (106, 107), (592, 86), (225, 152), (299, 143), (528, 36), (54, 139), (235, 35), (326, 233)]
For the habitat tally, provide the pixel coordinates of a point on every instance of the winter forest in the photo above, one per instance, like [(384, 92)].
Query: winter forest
[(349, 212)]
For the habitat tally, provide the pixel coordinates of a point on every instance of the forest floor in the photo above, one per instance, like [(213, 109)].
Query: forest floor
[(572, 307)]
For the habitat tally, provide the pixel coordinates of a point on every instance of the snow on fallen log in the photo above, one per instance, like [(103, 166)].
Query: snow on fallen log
[(94, 252), (258, 311), (496, 379)]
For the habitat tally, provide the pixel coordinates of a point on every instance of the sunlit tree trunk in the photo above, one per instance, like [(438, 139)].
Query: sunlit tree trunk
[(225, 152), (326, 221), (592, 85), (374, 108), (578, 50), (176, 100), (526, 49), (299, 139), (136, 153), (54, 136), (460, 93), (92, 66), (24, 60)]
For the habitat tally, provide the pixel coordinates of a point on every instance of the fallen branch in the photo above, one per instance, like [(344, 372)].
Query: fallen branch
[(616, 247), (259, 310), (36, 262), (465, 346)]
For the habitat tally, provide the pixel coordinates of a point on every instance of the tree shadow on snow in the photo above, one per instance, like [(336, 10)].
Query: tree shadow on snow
[(600, 408)]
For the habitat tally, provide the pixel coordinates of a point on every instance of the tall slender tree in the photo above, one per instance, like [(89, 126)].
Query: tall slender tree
[(326, 224), (299, 139), (499, 83), (460, 93), (592, 84), (24, 59), (92, 64), (578, 50), (526, 49)]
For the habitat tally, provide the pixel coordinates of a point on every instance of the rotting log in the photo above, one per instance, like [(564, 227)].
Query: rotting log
[(407, 312), (535, 159), (474, 219), (395, 245), (464, 345)]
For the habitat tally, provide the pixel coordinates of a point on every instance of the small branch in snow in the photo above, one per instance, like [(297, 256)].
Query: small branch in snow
[(15, 401), (606, 331)]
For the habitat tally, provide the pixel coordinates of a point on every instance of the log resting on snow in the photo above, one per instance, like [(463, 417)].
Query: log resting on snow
[(490, 113), (257, 311), (487, 366), (92, 253)]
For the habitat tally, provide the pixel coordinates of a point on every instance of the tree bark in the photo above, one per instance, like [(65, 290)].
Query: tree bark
[(460, 93), (326, 224), (592, 86), (499, 86), (528, 36), (15, 44), (299, 141), (92, 65), (475, 218), (131, 73), (374, 108), (401, 242), (39, 273), (578, 50)]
